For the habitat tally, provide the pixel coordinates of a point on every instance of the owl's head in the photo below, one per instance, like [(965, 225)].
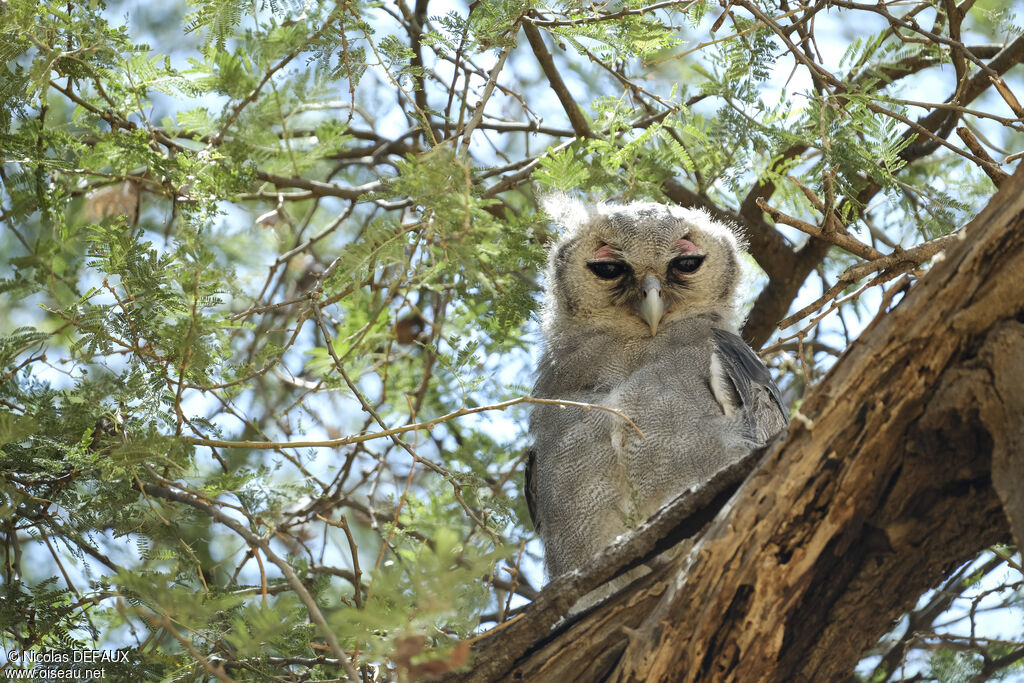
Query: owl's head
[(638, 268)]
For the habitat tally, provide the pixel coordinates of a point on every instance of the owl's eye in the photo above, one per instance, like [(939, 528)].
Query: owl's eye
[(686, 264), (608, 270)]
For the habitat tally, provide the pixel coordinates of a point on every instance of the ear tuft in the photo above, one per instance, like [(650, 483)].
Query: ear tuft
[(566, 211)]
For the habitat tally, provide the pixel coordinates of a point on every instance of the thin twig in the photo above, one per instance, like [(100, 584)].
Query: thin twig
[(394, 431)]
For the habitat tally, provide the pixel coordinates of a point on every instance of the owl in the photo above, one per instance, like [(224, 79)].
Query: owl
[(640, 316)]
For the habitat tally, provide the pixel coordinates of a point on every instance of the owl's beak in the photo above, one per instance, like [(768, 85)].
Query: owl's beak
[(651, 306)]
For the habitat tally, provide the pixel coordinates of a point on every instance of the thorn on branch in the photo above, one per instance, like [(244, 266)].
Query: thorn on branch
[(1004, 91), (988, 165)]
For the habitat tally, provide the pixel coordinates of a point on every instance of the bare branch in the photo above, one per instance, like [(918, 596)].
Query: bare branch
[(840, 239), (547, 64)]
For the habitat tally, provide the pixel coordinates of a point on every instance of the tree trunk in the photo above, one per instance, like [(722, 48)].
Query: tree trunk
[(883, 485)]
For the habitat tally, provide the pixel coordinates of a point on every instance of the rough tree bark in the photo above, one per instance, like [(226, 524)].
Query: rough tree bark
[(896, 470)]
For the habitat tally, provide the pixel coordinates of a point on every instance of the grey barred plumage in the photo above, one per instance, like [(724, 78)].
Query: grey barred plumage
[(640, 315)]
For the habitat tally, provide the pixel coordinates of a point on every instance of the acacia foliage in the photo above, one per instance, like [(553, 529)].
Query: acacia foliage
[(241, 260)]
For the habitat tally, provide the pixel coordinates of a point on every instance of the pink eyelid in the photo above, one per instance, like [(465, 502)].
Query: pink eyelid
[(686, 246), (683, 245)]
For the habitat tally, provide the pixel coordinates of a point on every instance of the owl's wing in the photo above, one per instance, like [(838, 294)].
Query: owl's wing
[(740, 381), (531, 487)]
